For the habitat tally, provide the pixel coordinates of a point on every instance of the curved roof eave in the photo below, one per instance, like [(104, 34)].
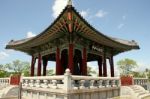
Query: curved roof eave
[(132, 45)]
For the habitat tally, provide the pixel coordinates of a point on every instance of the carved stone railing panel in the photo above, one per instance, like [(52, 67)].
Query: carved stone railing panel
[(42, 82), (95, 82), (140, 81), (4, 81)]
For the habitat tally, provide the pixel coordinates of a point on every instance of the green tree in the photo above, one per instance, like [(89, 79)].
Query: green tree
[(19, 67), (90, 71), (3, 72), (2, 67), (138, 74), (50, 72), (126, 66), (147, 72)]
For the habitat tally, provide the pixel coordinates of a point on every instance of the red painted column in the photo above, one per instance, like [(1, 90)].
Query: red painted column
[(104, 66), (84, 62), (39, 65), (100, 67), (111, 66), (70, 59), (32, 65), (58, 64), (44, 67)]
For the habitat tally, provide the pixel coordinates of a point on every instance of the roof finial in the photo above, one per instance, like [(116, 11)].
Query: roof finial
[(70, 2)]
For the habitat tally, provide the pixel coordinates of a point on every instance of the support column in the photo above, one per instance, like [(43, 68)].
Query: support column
[(32, 65), (111, 66), (104, 65), (39, 65), (45, 61), (80, 65), (84, 62), (58, 63), (70, 59), (100, 66)]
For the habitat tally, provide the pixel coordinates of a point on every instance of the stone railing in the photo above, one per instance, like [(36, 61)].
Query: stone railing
[(4, 81), (140, 81), (53, 82), (70, 87), (70, 82), (84, 82)]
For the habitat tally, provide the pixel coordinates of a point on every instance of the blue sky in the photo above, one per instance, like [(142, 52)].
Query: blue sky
[(126, 19)]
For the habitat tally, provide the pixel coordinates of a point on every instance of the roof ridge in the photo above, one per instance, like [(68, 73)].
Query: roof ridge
[(69, 3)]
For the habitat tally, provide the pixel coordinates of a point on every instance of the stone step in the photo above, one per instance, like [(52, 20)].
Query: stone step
[(141, 93), (138, 91), (10, 98), (145, 96)]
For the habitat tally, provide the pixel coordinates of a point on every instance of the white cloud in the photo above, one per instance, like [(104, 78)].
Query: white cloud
[(58, 6), (120, 25), (84, 13), (142, 65), (123, 17), (3, 55), (9, 51), (30, 34), (101, 14)]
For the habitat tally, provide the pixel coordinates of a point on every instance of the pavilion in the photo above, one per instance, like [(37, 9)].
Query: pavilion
[(72, 42)]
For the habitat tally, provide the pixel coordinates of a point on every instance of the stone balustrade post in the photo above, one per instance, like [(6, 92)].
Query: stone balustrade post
[(31, 83), (100, 82), (113, 83), (92, 84), (107, 83), (134, 82), (139, 82), (118, 82), (82, 82), (38, 83), (26, 82), (67, 81), (45, 83), (10, 78), (54, 84), (73, 85)]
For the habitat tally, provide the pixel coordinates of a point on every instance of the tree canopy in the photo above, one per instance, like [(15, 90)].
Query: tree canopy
[(126, 66), (15, 67), (90, 71)]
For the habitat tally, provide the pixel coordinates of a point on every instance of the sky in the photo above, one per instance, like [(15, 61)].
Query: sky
[(125, 19)]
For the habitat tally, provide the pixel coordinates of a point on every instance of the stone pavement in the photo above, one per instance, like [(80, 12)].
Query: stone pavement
[(134, 92), (8, 91)]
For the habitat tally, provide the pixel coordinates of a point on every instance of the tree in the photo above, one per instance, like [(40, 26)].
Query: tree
[(90, 71), (19, 67), (147, 72), (126, 66), (50, 72), (3, 72), (2, 67), (138, 74)]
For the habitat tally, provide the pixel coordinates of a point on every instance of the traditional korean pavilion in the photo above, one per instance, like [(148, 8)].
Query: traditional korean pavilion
[(72, 42)]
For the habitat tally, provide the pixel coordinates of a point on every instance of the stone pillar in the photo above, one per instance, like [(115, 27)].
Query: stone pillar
[(111, 61), (80, 65), (39, 65), (70, 59), (104, 65), (45, 61), (58, 63), (84, 62), (100, 66), (32, 65)]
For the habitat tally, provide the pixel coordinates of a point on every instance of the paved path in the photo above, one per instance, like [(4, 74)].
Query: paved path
[(8, 91)]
